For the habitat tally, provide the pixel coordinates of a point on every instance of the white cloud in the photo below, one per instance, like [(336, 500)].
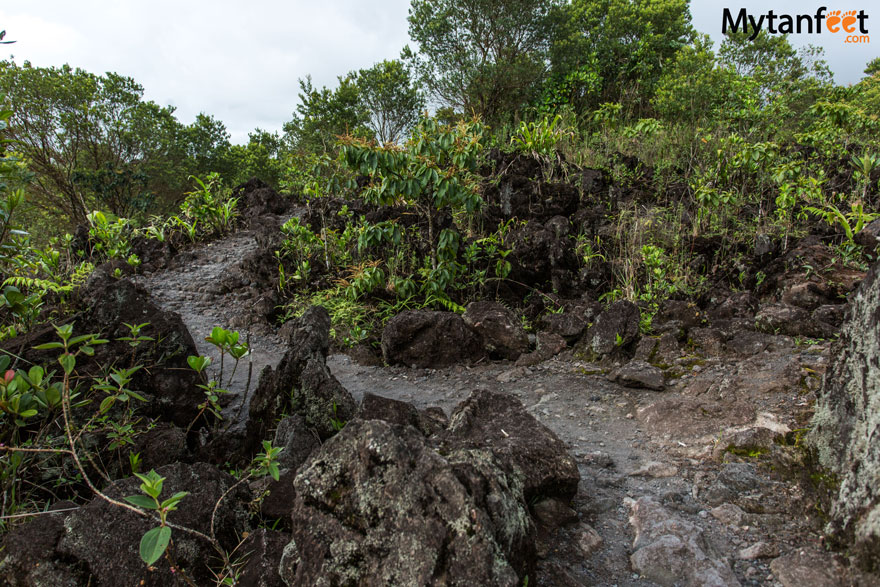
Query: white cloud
[(238, 61)]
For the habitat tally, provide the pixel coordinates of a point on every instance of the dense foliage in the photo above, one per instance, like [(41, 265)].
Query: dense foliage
[(704, 156)]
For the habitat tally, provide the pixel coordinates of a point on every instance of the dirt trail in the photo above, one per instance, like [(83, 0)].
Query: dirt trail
[(701, 512), (202, 285)]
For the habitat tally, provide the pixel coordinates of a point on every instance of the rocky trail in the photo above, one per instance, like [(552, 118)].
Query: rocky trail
[(202, 287), (661, 499)]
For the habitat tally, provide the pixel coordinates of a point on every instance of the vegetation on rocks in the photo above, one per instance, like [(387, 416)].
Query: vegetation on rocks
[(594, 176)]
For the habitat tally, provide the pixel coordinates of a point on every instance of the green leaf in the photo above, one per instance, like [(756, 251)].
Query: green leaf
[(135, 395), (48, 346), (68, 362), (154, 543), (107, 404), (141, 501), (198, 364), (171, 502), (35, 375), (79, 339)]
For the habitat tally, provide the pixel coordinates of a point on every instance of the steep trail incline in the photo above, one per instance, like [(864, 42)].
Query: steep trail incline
[(204, 287), (660, 503)]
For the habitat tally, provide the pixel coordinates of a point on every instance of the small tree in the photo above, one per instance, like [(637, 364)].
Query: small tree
[(325, 114), (393, 101), (485, 57)]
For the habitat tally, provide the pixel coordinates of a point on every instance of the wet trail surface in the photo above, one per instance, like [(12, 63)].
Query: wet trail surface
[(653, 481), (204, 287)]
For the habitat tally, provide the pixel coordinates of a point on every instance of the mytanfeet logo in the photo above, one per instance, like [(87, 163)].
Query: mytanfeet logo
[(851, 25)]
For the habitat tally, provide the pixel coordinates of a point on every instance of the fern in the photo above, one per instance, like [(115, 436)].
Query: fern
[(81, 273), (34, 283), (443, 302)]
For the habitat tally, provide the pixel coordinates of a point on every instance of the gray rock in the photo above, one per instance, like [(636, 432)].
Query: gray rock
[(27, 549), (671, 551), (498, 422), (616, 327), (735, 482), (742, 305), (377, 506), (832, 314), (869, 236), (297, 440), (301, 384), (549, 345), (758, 550), (639, 374), (588, 541), (791, 321), (687, 313), (422, 338), (502, 332), (846, 421), (729, 514), (568, 325), (709, 341), (376, 407), (808, 568), (265, 550)]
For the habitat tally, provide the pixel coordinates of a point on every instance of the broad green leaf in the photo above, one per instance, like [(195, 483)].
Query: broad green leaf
[(35, 375), (154, 543), (68, 362)]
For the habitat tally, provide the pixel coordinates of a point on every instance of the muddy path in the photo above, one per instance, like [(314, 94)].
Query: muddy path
[(658, 493), (205, 286)]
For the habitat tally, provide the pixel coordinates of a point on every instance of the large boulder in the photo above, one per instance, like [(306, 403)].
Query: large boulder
[(104, 538), (792, 321), (846, 424), (502, 332), (498, 422), (301, 383), (377, 506), (423, 338), (165, 379), (616, 327)]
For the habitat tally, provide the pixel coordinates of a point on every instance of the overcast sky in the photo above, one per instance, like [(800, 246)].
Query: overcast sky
[(240, 61)]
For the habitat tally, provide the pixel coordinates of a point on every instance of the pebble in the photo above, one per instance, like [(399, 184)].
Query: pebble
[(758, 550)]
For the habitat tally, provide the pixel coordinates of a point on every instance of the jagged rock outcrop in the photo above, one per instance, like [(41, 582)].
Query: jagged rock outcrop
[(847, 424), (396, 499), (301, 383), (498, 422), (378, 506)]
